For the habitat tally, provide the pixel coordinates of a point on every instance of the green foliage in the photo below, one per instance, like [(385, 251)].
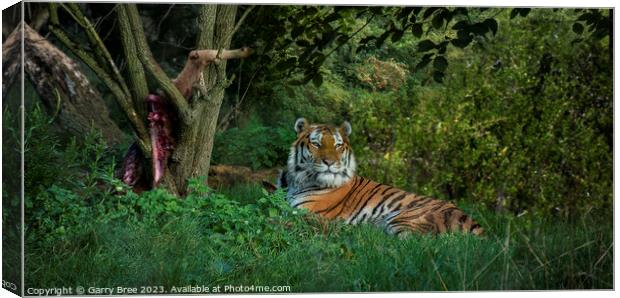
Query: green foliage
[(293, 43), (516, 128), (522, 122), (92, 231), (254, 145), (48, 162), (63, 214), (73, 200), (42, 146), (62, 181), (11, 153), (207, 238), (11, 192), (515, 125)]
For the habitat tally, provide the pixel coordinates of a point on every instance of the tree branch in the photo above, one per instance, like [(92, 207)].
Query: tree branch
[(59, 82), (94, 39), (146, 57), (137, 77), (207, 21), (121, 97), (239, 23), (198, 60)]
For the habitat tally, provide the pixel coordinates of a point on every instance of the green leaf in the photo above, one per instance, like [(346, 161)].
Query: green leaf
[(448, 16), (360, 48), (303, 43), (585, 16), (429, 11), (286, 64), (398, 34), (438, 76), (412, 18), (360, 13), (317, 80), (332, 17), (513, 13), (366, 39), (290, 91), (273, 212), (491, 25), (460, 11), (381, 39), (576, 40), (416, 29), (298, 30), (441, 48), (437, 21), (296, 82), (577, 28), (426, 45), (461, 42), (317, 59), (440, 63), (479, 28), (460, 25), (426, 59), (524, 12)]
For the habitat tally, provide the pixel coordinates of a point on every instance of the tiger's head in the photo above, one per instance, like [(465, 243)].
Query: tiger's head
[(321, 156)]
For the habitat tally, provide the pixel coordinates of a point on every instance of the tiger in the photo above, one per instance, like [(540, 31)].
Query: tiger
[(320, 177)]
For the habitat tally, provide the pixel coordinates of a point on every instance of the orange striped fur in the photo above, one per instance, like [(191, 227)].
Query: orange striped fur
[(321, 178)]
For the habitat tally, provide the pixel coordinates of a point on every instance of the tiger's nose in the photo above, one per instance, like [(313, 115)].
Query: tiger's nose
[(329, 162)]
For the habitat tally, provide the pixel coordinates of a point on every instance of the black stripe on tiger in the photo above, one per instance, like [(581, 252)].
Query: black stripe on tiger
[(370, 197), (343, 201)]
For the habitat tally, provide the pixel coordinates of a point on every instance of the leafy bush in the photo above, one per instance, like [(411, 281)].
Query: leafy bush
[(515, 125), (254, 145), (50, 162), (212, 239), (523, 122), (62, 214), (62, 181), (522, 133)]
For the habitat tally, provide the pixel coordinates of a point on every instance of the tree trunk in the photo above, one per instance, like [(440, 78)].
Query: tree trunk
[(64, 89), (192, 154), (182, 121)]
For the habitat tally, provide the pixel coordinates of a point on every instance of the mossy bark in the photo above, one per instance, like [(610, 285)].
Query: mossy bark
[(195, 96), (64, 89), (192, 154)]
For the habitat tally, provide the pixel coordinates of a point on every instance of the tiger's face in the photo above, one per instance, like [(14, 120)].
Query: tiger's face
[(321, 156)]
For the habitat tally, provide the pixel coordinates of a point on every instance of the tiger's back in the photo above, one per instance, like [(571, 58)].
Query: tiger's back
[(397, 211), (321, 178)]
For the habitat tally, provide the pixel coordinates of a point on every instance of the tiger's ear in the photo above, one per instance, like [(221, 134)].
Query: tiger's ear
[(346, 128), (300, 125)]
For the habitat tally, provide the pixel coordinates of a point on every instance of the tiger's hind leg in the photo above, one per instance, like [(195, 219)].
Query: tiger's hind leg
[(403, 228), (403, 232)]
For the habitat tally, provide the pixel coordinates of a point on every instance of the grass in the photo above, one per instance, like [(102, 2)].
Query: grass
[(311, 255)]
